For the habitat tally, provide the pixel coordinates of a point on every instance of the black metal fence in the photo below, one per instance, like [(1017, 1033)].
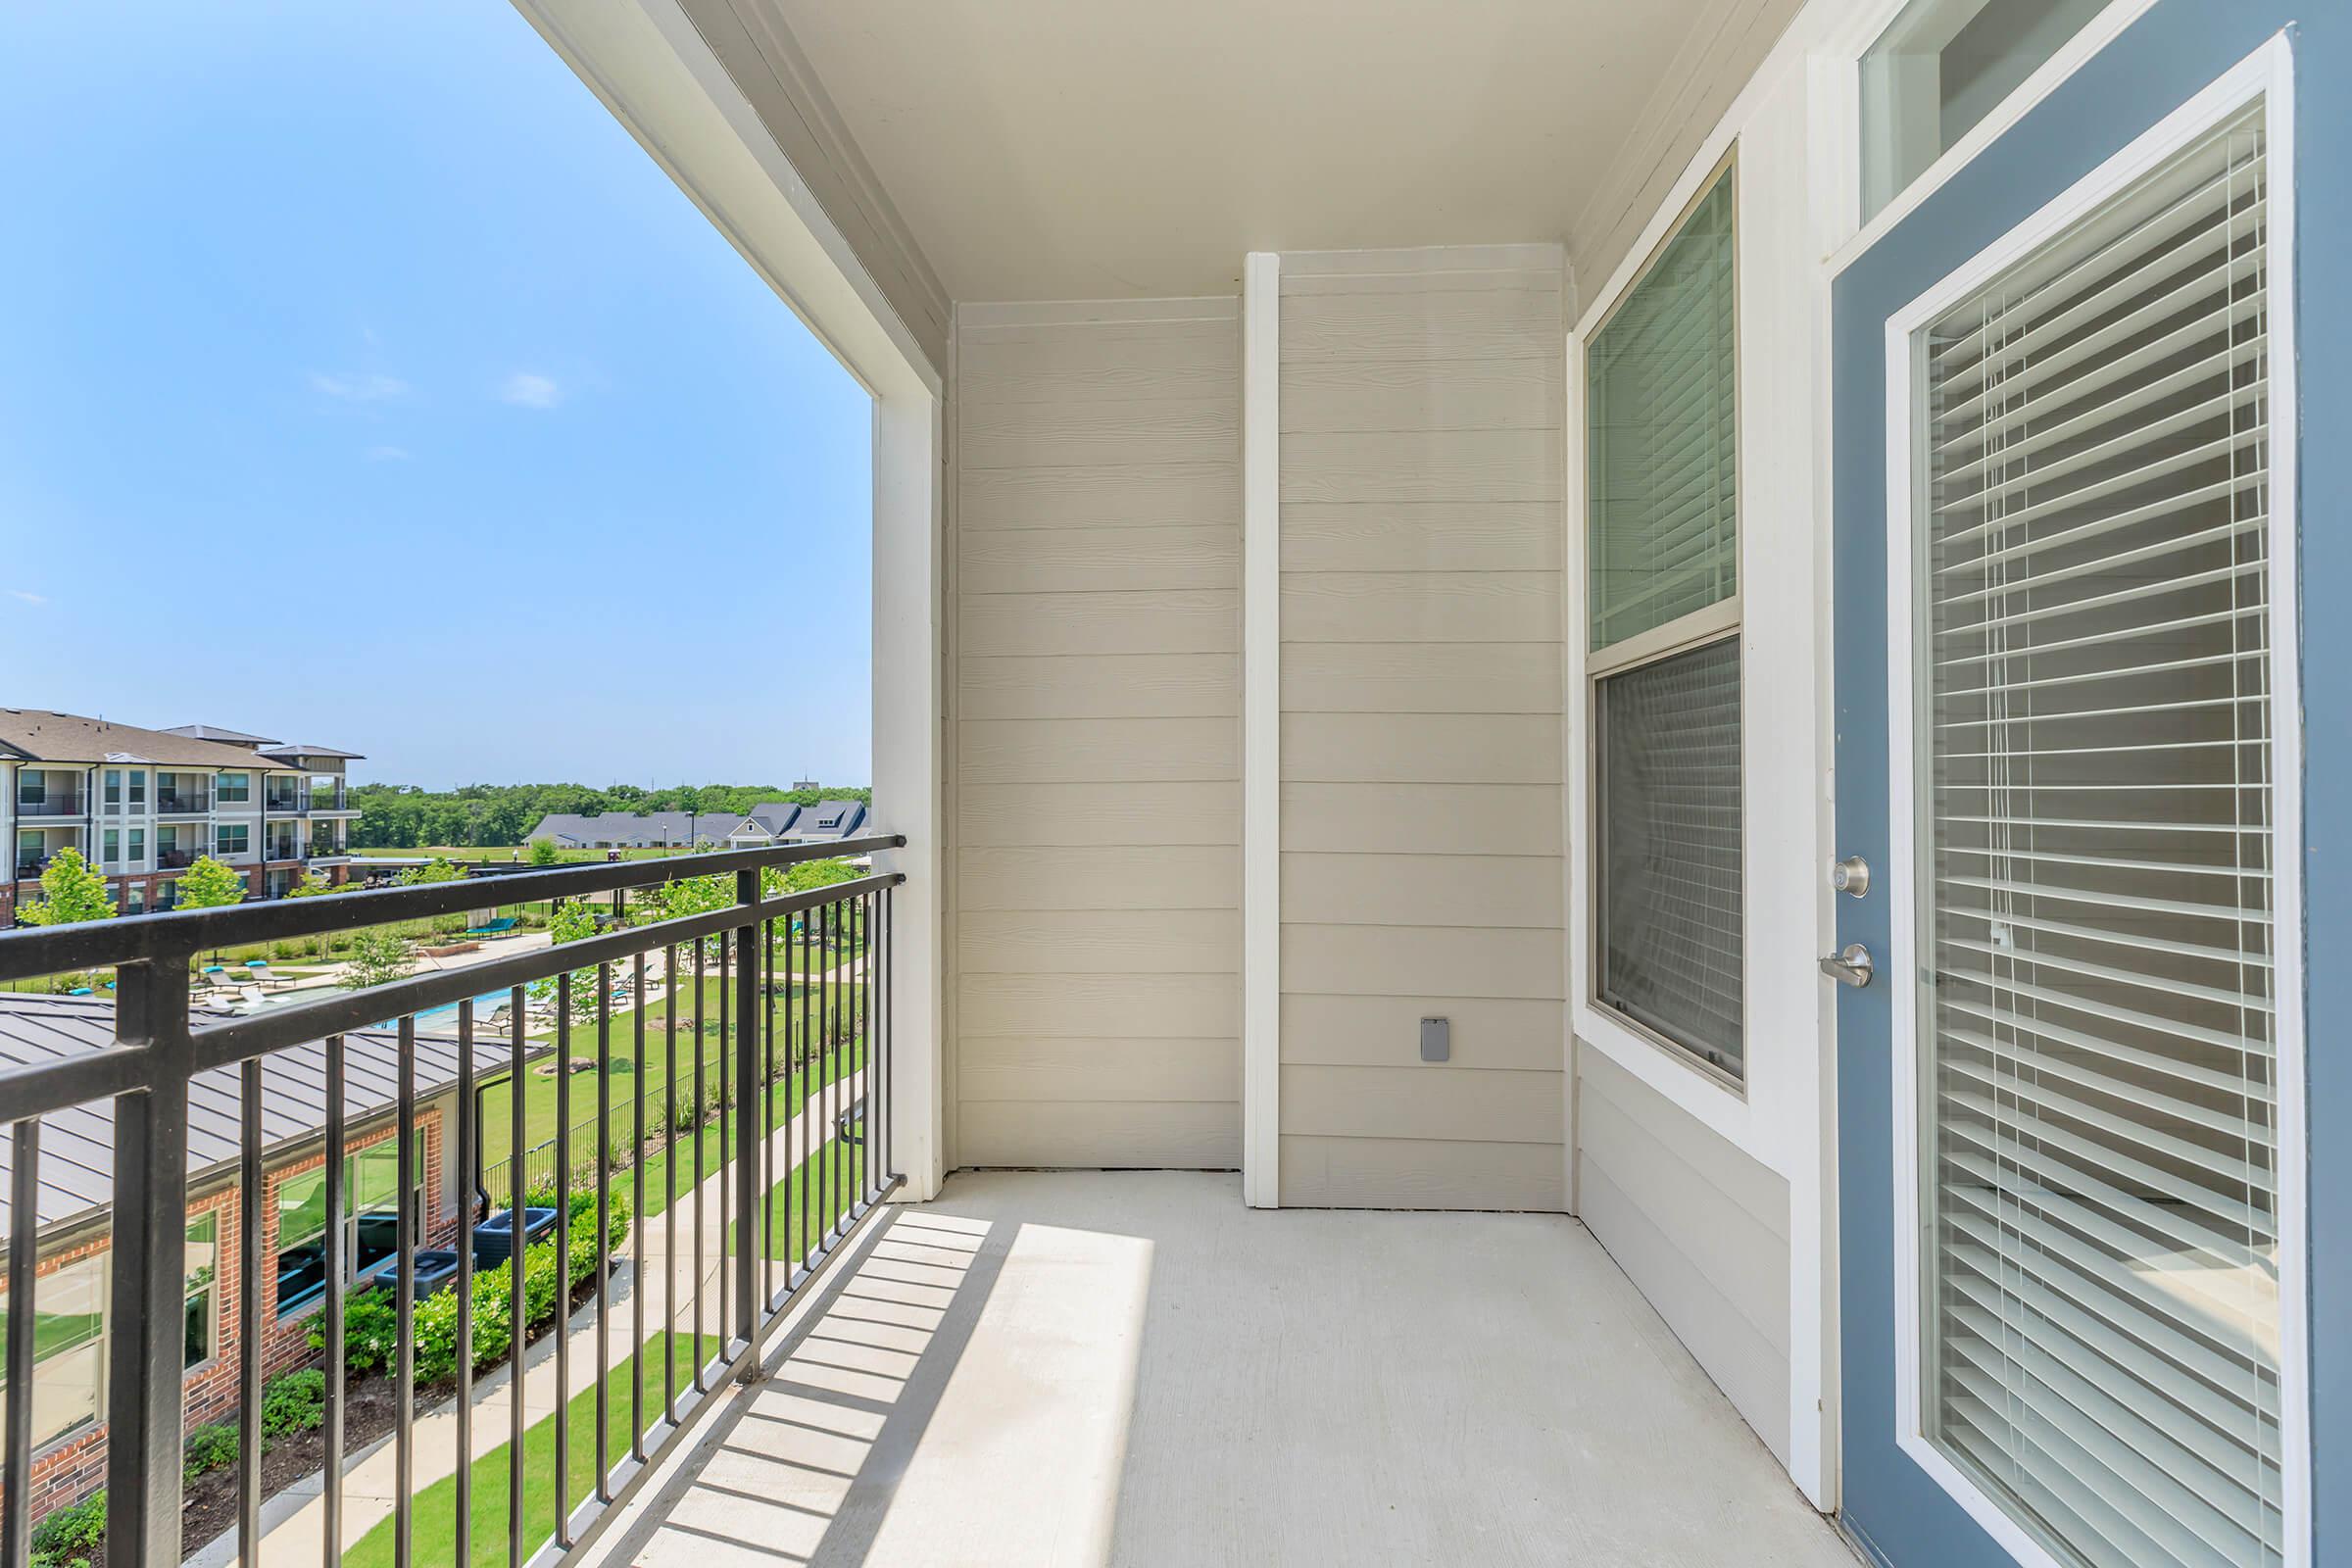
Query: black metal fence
[(800, 1154)]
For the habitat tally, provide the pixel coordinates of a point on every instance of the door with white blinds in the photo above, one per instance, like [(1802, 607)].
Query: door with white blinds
[(2089, 1030)]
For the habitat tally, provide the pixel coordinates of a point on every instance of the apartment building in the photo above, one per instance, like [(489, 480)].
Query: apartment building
[(144, 805)]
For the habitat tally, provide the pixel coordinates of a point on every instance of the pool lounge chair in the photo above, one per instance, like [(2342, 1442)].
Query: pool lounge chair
[(494, 928)]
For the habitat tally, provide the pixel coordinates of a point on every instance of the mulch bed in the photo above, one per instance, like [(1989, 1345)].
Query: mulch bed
[(208, 1503)]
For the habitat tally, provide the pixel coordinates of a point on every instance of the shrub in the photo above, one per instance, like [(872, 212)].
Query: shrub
[(369, 1323), (70, 1532), (209, 1448), (294, 1401)]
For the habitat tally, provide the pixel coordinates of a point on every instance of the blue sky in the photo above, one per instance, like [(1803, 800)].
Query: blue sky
[(363, 382)]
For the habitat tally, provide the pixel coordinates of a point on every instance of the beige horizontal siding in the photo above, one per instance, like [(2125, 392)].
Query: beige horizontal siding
[(996, 816), (1420, 610), (1699, 1226), (1096, 737)]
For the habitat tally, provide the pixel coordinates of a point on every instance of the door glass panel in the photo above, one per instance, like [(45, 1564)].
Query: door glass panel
[(1941, 66), (2098, 1063)]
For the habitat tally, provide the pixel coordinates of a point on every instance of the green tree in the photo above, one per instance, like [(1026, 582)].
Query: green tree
[(571, 922), (313, 884), (71, 891), (544, 853), (379, 955), (440, 868), (208, 885)]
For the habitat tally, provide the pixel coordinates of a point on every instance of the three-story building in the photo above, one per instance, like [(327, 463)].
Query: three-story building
[(144, 805)]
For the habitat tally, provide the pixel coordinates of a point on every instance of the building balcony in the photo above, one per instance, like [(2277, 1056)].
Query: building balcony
[(178, 858), (53, 806), (182, 804)]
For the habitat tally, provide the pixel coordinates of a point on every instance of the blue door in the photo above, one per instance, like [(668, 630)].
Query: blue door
[(2094, 750)]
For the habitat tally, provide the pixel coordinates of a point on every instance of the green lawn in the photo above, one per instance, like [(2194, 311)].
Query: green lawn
[(539, 1092), (434, 1520), (784, 1098), (842, 1166)]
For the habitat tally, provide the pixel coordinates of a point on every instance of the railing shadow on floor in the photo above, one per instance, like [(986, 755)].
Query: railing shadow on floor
[(804, 1466)]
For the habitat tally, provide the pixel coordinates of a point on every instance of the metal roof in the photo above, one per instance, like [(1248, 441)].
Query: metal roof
[(214, 733), (78, 1146)]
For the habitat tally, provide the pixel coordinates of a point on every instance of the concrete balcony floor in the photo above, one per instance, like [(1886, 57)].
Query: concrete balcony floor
[(1082, 1368)]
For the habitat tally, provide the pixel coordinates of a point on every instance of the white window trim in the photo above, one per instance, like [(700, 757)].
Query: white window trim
[(1719, 1102), (1261, 731), (1851, 43), (2267, 74)]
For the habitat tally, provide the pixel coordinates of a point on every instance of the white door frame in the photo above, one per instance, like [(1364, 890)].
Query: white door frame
[(2267, 74)]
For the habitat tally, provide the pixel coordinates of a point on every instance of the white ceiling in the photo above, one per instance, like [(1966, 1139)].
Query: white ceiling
[(1080, 149)]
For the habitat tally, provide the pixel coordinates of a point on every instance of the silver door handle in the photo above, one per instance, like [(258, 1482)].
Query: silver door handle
[(1850, 966)]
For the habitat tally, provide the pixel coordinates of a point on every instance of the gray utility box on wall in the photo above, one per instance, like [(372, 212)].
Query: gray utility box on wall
[(1437, 1039)]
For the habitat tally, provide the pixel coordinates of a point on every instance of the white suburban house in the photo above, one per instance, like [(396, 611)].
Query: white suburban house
[(1617, 743), (144, 805)]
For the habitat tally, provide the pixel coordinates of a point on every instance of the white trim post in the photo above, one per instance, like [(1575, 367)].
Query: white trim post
[(1261, 731)]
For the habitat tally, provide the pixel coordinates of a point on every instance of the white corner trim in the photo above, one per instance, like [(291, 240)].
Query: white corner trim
[(645, 61), (2268, 75), (1261, 731)]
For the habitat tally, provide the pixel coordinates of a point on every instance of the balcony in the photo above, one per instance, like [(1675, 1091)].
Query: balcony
[(52, 806), (182, 803), (800, 1140), (283, 850), (292, 803), (177, 856)]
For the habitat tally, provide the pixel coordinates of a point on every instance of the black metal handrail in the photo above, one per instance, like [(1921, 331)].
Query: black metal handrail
[(829, 1035), (182, 805), (53, 806)]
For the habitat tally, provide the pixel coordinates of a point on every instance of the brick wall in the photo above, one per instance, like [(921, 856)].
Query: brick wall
[(76, 1465)]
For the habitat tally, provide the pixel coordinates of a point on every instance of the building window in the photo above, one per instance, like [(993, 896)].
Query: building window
[(1662, 550), (33, 787), (138, 789), (371, 1219), (138, 845), (234, 789), (69, 1356), (134, 898), (114, 788), (204, 1290), (111, 841), (1940, 67), (232, 839)]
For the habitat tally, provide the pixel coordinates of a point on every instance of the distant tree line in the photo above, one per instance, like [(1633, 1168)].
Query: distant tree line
[(403, 816)]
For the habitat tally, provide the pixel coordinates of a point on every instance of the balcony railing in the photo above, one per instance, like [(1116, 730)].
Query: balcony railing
[(285, 805), (801, 1104), (179, 856), (172, 802), (27, 869), (51, 805), (284, 849)]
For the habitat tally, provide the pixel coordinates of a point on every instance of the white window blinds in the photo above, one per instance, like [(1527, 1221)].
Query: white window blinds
[(1662, 426), (2099, 1168)]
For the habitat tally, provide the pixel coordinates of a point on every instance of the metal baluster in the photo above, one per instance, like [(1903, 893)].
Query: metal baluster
[(748, 1096), (24, 1256), (637, 1228), (249, 1312), (801, 1099), (670, 1186), (148, 1268), (726, 1146), (332, 1501), (404, 1267), (469, 1154), (518, 1231), (699, 1357), (603, 1225), (563, 1241), (767, 1121)]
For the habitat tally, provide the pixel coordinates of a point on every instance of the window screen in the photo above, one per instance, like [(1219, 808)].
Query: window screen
[(1669, 892), (2099, 1086), (1662, 457)]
